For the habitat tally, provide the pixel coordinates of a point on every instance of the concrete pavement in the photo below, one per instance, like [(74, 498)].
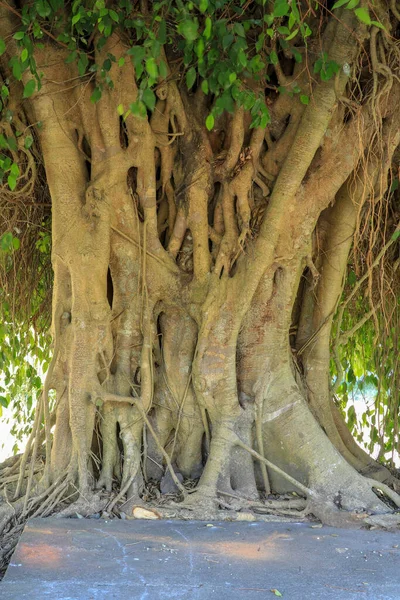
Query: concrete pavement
[(81, 559)]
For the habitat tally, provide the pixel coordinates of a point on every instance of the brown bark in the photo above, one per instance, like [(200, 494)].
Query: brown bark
[(171, 324)]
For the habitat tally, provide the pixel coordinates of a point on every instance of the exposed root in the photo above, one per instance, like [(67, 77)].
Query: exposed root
[(92, 504), (275, 468), (394, 496), (158, 220), (385, 521), (212, 514)]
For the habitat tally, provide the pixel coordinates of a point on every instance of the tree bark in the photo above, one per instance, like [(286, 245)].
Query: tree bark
[(178, 276)]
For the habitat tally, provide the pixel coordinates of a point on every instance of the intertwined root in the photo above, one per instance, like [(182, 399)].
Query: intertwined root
[(349, 503), (179, 265)]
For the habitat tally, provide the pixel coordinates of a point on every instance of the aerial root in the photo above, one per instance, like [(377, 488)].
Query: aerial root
[(377, 485), (306, 491), (164, 453), (120, 495)]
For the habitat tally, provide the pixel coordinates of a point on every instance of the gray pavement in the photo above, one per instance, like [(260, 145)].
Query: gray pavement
[(80, 559)]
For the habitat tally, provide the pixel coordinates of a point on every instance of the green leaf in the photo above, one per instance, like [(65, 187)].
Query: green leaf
[(28, 142), (155, 48), (17, 69), (283, 30), (3, 401), (114, 15), (189, 30), (265, 119), (29, 88), (292, 35), (138, 109), (273, 57), (82, 63), (296, 55), (2, 46), (6, 241), (14, 170), (351, 414), (339, 3), (377, 24), (260, 42), (396, 235), (76, 18), (43, 8), (207, 29), (137, 52), (304, 99), (352, 4), (151, 67), (199, 48), (12, 182), (71, 57), (149, 98), (239, 30), (204, 86), (190, 77), (107, 65), (24, 55), (12, 143), (363, 15), (121, 61), (96, 95), (242, 59), (210, 122), (162, 67), (120, 109), (19, 35), (276, 592), (225, 102), (395, 185), (16, 243), (203, 5), (227, 40), (352, 278), (281, 8)]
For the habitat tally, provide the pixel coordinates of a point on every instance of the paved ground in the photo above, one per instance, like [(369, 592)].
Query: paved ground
[(79, 559)]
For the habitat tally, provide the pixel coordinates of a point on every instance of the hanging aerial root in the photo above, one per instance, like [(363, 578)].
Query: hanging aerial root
[(34, 454), (260, 444), (307, 491), (137, 402), (120, 495), (165, 455)]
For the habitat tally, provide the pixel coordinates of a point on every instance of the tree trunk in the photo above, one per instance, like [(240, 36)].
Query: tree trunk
[(183, 263)]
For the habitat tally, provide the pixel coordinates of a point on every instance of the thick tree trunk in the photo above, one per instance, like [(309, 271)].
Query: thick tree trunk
[(178, 279)]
